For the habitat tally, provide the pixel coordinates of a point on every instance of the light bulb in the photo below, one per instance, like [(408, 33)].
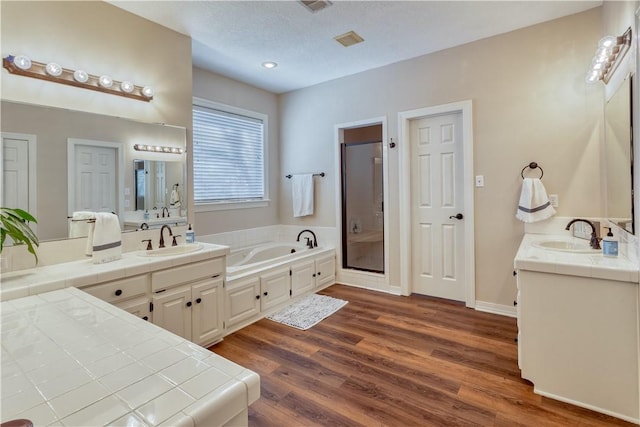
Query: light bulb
[(105, 81), (53, 69), (269, 64), (81, 76), (126, 86), (147, 91), (22, 62), (608, 41)]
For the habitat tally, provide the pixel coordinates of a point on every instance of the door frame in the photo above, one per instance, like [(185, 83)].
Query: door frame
[(32, 159), (404, 154), (71, 172), (350, 276)]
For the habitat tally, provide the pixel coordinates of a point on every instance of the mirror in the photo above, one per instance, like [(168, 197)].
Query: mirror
[(37, 140), (619, 157)]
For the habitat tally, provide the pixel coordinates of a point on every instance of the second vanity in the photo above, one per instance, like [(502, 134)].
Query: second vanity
[(579, 324)]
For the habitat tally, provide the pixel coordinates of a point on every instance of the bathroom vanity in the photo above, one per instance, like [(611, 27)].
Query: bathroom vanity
[(578, 325), (78, 347)]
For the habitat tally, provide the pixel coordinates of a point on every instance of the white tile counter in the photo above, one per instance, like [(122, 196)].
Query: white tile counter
[(34, 281), (594, 265), (69, 359)]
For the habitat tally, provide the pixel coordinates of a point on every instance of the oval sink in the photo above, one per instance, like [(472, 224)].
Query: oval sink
[(565, 246), (172, 250)]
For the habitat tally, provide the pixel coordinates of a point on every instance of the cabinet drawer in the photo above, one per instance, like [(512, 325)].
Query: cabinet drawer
[(186, 273), (120, 290)]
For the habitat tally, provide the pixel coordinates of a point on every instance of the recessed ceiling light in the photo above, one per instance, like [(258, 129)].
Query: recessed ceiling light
[(269, 64)]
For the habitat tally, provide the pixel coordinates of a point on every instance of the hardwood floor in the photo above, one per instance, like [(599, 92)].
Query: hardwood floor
[(395, 361)]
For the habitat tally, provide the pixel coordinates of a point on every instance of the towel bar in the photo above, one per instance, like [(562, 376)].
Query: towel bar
[(315, 174), (532, 165)]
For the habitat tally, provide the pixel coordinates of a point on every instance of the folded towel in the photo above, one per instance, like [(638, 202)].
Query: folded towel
[(79, 223), (302, 194), (534, 203), (107, 239)]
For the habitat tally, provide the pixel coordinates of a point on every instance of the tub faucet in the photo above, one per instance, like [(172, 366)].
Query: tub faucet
[(163, 209), (162, 235), (594, 242), (311, 244)]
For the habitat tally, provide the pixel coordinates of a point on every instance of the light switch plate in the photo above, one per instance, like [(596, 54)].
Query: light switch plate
[(553, 198), (479, 180)]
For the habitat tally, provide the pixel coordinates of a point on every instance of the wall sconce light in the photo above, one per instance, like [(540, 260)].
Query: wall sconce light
[(158, 148), (608, 56), (53, 72)]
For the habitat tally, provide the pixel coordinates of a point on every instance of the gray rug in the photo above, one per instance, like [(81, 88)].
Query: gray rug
[(308, 311)]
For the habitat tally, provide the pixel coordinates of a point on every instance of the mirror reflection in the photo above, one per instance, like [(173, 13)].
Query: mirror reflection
[(46, 167), (619, 158)]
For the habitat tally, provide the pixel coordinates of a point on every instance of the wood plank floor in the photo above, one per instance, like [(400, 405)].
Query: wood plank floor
[(384, 360)]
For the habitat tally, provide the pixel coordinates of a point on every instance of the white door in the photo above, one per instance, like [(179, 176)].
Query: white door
[(207, 311), (172, 310), (242, 301), (275, 288), (17, 172), (303, 277), (437, 197), (95, 179)]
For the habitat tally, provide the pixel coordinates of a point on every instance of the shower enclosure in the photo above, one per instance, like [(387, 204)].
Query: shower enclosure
[(362, 199)]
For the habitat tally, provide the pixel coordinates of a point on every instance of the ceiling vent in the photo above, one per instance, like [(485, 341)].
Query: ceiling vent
[(315, 5), (349, 39)]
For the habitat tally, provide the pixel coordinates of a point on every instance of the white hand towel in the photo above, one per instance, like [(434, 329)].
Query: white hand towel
[(79, 223), (534, 203), (174, 201), (302, 194), (107, 239)]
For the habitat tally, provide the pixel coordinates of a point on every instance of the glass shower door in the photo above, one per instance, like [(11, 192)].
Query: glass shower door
[(362, 206)]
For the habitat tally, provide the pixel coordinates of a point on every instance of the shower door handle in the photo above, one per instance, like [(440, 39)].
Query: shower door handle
[(456, 216)]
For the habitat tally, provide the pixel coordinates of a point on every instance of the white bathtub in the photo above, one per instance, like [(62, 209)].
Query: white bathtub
[(265, 255)]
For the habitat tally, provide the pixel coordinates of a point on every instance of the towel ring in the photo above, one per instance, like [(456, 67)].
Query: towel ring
[(532, 165)]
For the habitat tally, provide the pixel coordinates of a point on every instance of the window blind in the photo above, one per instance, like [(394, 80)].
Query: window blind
[(228, 156)]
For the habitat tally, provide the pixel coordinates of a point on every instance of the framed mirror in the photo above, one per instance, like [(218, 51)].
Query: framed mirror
[(619, 157), (37, 161)]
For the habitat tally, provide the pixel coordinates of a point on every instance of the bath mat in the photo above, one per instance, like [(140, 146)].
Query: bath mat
[(308, 311)]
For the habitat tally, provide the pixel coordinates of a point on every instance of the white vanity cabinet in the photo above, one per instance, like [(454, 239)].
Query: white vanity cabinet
[(307, 276), (578, 340), (188, 300), (242, 301), (132, 294)]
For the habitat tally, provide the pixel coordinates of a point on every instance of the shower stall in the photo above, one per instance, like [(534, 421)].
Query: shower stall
[(362, 199)]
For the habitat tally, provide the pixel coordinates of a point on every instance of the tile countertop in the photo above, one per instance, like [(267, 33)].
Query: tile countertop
[(595, 265), (33, 281), (69, 359)]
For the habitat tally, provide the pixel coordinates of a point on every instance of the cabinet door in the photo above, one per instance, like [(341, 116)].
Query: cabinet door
[(303, 277), (325, 271), (138, 307), (275, 287), (207, 309), (172, 310), (242, 301)]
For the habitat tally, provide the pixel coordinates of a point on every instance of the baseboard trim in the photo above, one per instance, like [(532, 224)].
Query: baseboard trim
[(490, 307)]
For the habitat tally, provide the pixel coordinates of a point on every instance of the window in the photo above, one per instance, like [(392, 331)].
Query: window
[(228, 156)]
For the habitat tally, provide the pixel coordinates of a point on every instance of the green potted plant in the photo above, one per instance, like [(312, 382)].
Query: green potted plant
[(14, 223)]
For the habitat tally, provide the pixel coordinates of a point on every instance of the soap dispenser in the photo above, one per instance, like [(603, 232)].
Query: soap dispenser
[(609, 244)]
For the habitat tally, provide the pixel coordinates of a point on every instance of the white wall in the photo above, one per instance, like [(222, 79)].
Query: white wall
[(530, 104)]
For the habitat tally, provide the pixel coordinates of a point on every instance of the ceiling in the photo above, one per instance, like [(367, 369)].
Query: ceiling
[(235, 37)]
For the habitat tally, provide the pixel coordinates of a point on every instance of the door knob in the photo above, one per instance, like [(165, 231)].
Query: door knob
[(456, 216)]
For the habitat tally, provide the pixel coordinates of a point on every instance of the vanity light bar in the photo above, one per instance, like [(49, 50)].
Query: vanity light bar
[(608, 56), (24, 66), (158, 149)]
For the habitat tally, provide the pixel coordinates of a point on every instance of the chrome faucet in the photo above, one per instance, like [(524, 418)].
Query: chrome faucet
[(311, 244), (162, 235), (594, 242), (163, 209)]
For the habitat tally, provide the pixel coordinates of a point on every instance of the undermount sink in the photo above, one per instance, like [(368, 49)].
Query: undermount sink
[(172, 250), (565, 246)]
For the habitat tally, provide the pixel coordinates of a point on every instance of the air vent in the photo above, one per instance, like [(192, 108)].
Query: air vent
[(349, 39), (315, 5)]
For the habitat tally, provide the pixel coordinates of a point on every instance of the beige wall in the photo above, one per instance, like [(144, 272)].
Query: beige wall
[(530, 103), (214, 87)]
